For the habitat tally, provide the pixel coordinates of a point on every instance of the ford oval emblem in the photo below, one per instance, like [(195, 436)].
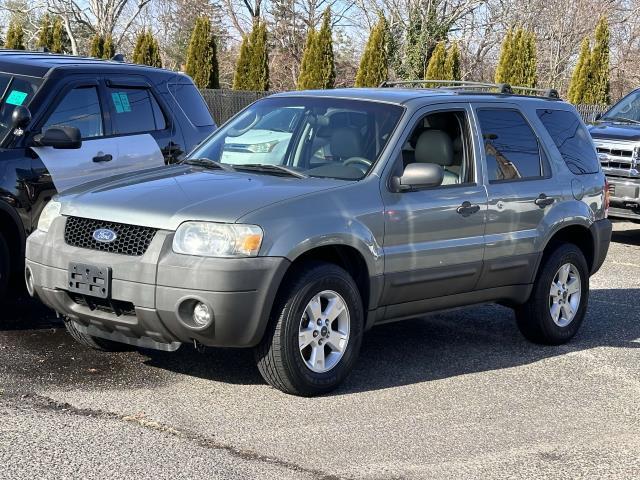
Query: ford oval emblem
[(104, 235)]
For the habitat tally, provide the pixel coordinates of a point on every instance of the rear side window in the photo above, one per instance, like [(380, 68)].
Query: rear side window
[(136, 111), (511, 147), (79, 108), (192, 103), (572, 139)]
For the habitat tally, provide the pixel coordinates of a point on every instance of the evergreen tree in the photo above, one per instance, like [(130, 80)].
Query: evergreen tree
[(506, 59), (59, 40), (452, 65), (325, 49), (259, 58), (318, 68), (579, 78), (414, 63), (436, 69), (374, 64), (97, 47), (242, 66), (147, 51), (108, 48), (45, 36), (599, 63), (518, 59), (15, 36), (310, 75), (202, 55)]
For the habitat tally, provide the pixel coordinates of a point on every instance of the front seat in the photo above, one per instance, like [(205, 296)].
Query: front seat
[(435, 146), (345, 143)]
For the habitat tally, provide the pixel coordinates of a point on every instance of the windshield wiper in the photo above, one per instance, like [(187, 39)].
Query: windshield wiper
[(208, 163), (621, 119), (265, 167)]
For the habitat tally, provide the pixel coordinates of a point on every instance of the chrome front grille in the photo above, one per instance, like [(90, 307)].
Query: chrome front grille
[(618, 159), (130, 239)]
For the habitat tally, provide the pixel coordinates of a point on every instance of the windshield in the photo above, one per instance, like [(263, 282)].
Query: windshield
[(15, 90), (626, 110), (318, 137)]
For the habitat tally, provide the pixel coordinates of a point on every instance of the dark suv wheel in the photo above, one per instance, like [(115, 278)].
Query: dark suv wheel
[(315, 332), (5, 267), (557, 306)]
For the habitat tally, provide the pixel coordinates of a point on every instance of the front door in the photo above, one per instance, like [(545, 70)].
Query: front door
[(434, 238)]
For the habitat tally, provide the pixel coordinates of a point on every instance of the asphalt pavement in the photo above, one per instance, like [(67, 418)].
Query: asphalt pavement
[(454, 395)]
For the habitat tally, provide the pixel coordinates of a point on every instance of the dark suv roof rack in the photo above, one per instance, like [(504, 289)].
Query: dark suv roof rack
[(501, 88)]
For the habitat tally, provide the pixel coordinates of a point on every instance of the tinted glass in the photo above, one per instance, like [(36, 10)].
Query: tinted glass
[(626, 110), (79, 108), (15, 91), (136, 111), (511, 148), (322, 137), (192, 103), (572, 139)]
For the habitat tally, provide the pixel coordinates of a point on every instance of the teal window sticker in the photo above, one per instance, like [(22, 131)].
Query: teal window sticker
[(16, 97), (121, 102)]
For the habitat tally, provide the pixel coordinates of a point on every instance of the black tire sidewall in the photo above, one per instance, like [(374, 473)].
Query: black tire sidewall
[(5, 267), (320, 279)]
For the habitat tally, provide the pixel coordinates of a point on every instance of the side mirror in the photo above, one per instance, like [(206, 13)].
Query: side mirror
[(59, 137), (597, 117), (418, 175), (21, 117)]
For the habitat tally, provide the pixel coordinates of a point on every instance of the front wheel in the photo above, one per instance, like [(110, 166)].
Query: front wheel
[(5, 267), (558, 303), (315, 333)]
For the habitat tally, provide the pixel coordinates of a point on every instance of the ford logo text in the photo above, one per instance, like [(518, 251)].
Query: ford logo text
[(104, 235)]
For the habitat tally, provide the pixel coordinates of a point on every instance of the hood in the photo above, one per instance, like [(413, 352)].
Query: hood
[(606, 130), (164, 198)]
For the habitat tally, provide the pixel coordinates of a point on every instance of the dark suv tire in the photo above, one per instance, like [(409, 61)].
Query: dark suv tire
[(5, 267), (92, 342), (315, 333), (558, 303)]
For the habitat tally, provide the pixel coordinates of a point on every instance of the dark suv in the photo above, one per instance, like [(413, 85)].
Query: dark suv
[(68, 120)]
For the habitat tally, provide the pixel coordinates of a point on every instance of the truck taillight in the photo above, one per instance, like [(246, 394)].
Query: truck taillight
[(607, 198)]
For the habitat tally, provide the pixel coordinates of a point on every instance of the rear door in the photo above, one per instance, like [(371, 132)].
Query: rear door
[(521, 188)]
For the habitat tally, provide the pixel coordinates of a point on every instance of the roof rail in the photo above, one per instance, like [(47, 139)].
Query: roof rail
[(502, 88)]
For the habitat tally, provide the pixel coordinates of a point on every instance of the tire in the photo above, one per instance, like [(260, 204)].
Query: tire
[(5, 267), (92, 342), (535, 319), (281, 360)]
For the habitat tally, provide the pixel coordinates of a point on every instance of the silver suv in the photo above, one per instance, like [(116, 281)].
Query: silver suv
[(310, 217)]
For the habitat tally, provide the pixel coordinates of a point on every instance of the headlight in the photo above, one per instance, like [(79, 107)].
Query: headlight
[(49, 213), (217, 239), (262, 147)]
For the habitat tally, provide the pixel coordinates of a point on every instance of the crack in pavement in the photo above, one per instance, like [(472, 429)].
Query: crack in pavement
[(47, 404)]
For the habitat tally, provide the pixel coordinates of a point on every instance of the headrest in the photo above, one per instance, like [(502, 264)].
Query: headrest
[(434, 146), (345, 143)]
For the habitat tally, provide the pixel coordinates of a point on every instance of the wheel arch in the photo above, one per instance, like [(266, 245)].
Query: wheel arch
[(12, 230), (578, 234)]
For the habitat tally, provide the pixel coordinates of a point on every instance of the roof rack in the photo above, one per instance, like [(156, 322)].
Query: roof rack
[(502, 88)]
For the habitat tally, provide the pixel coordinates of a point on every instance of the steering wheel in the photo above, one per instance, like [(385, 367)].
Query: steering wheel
[(359, 161)]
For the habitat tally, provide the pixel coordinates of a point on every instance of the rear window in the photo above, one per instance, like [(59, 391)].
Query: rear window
[(192, 103), (572, 139), (136, 111)]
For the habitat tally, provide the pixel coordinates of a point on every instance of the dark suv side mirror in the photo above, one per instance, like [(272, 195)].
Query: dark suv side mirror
[(21, 117), (59, 137), (418, 175)]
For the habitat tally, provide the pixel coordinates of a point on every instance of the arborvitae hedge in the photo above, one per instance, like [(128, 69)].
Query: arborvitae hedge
[(202, 55), (15, 36), (452, 65), (436, 68), (374, 64), (259, 58), (318, 68), (580, 77), (242, 65), (45, 36), (600, 64), (518, 59), (147, 50), (59, 40), (97, 47)]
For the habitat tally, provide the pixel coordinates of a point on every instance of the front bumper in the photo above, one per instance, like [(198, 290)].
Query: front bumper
[(625, 197), (152, 292)]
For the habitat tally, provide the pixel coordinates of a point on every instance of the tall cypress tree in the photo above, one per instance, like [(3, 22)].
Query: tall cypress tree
[(310, 77), (518, 59), (259, 58), (414, 61), (59, 40), (579, 78), (374, 64), (202, 55), (147, 51), (108, 48), (452, 65), (240, 78), (506, 59), (325, 48), (436, 69), (600, 65), (97, 47), (45, 36), (15, 36)]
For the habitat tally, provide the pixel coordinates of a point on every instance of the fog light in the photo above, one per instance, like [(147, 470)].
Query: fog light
[(201, 314)]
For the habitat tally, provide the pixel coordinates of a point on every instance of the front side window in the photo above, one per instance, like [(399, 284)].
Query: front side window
[(572, 139), (626, 110), (322, 137), (511, 147), (135, 111), (79, 108), (15, 91)]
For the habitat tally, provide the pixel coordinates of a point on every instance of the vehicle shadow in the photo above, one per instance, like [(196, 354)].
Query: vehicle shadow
[(630, 237), (434, 347)]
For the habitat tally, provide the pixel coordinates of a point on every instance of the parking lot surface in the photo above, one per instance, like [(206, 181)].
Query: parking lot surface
[(453, 395)]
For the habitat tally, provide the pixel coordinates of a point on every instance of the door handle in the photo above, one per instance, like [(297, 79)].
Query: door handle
[(102, 158), (467, 209), (544, 201)]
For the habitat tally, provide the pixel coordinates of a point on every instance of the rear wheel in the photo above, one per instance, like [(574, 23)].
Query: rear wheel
[(558, 303), (5, 267), (315, 333), (92, 342)]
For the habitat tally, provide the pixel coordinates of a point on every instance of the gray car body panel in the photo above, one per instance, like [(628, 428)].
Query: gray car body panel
[(419, 253)]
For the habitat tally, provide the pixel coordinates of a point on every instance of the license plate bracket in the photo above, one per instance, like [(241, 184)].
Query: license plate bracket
[(90, 280)]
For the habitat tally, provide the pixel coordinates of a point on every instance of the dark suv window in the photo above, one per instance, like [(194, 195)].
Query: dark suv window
[(511, 147), (572, 139), (190, 100), (79, 108), (136, 110)]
